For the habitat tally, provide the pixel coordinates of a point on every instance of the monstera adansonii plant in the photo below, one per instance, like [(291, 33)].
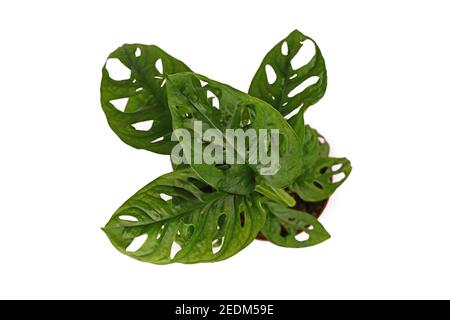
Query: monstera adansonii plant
[(204, 212)]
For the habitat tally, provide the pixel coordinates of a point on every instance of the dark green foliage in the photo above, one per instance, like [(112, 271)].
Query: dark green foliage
[(212, 211)]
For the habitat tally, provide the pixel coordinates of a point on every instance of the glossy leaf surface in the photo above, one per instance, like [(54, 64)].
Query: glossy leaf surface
[(189, 103), (283, 224), (321, 174), (178, 210), (285, 93), (144, 120)]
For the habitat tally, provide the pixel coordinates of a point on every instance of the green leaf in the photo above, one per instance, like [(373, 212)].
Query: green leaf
[(321, 174), (315, 147), (279, 93), (276, 195), (282, 225), (188, 102), (207, 225), (144, 94)]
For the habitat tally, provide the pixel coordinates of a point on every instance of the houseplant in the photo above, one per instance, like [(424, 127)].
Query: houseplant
[(207, 212)]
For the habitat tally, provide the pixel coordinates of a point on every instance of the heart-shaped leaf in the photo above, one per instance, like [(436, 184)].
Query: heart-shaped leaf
[(294, 86), (321, 174), (178, 210), (283, 224), (144, 122), (225, 109)]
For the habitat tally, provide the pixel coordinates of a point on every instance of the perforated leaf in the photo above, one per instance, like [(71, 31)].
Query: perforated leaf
[(145, 121), (282, 225), (188, 102), (206, 225), (282, 93), (322, 174)]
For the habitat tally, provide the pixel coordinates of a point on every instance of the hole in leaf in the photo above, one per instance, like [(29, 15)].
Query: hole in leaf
[(217, 245), (143, 125), (128, 218), (293, 76), (137, 243), (270, 74), (186, 231), (292, 113), (283, 232), (303, 236), (318, 185), (120, 104), (302, 86), (134, 81), (247, 116), (223, 166), (117, 70), (284, 49), (174, 250), (138, 52), (242, 218), (221, 220), (323, 170), (338, 177), (203, 83), (321, 140), (139, 89), (336, 167), (159, 66), (188, 115), (304, 55), (310, 227), (163, 83), (158, 236), (207, 189), (157, 140), (165, 197), (213, 99)]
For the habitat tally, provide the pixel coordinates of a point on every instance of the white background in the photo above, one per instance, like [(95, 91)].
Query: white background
[(64, 172)]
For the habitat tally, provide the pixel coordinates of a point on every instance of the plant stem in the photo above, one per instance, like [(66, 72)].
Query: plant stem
[(278, 195)]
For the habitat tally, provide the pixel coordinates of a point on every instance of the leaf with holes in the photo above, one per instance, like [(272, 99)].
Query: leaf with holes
[(177, 218), (291, 75), (191, 102), (245, 177), (133, 95), (282, 225), (315, 146), (322, 174)]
